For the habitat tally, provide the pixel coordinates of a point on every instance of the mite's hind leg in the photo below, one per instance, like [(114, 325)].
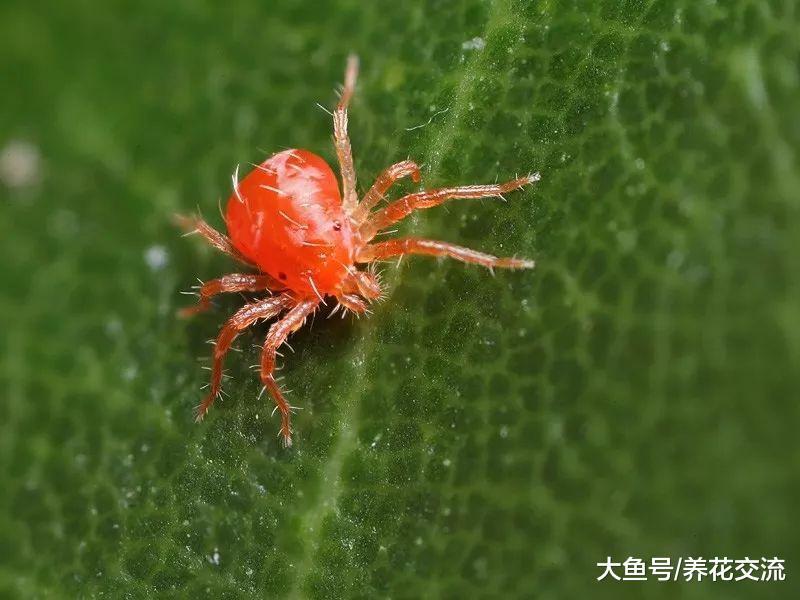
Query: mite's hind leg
[(403, 207), (277, 334), (402, 246), (382, 184), (244, 317), (344, 151), (194, 224), (235, 282)]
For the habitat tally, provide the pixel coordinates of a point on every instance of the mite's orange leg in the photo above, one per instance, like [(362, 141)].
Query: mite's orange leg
[(235, 282), (403, 246), (342, 142), (403, 207), (382, 184), (244, 317), (277, 334), (352, 302), (195, 224)]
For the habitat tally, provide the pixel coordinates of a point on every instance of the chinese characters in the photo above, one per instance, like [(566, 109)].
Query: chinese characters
[(662, 568)]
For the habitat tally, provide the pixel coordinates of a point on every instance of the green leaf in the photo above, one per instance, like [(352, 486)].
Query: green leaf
[(635, 395)]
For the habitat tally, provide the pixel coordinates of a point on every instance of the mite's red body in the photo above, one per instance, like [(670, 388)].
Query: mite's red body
[(286, 216), (288, 222)]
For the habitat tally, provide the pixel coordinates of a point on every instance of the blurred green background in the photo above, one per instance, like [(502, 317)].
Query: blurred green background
[(479, 436)]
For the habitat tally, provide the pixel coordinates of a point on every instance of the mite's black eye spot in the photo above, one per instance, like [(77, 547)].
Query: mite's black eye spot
[(337, 226), (282, 276)]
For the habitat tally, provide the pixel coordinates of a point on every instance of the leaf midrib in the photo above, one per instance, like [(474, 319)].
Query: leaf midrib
[(500, 15)]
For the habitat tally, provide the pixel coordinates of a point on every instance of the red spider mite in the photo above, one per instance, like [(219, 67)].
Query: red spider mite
[(287, 221)]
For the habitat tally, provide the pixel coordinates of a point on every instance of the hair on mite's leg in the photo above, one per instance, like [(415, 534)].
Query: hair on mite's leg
[(403, 246), (351, 302), (400, 209), (242, 319), (382, 184), (278, 332), (195, 224), (234, 282), (344, 151)]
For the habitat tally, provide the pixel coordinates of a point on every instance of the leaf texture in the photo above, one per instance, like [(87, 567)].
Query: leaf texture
[(479, 436)]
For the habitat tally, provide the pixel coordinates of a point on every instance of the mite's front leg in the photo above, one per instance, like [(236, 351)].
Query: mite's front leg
[(400, 209), (382, 184), (344, 151), (352, 302), (403, 246)]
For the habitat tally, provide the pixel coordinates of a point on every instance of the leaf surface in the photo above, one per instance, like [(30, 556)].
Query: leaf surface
[(479, 436)]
